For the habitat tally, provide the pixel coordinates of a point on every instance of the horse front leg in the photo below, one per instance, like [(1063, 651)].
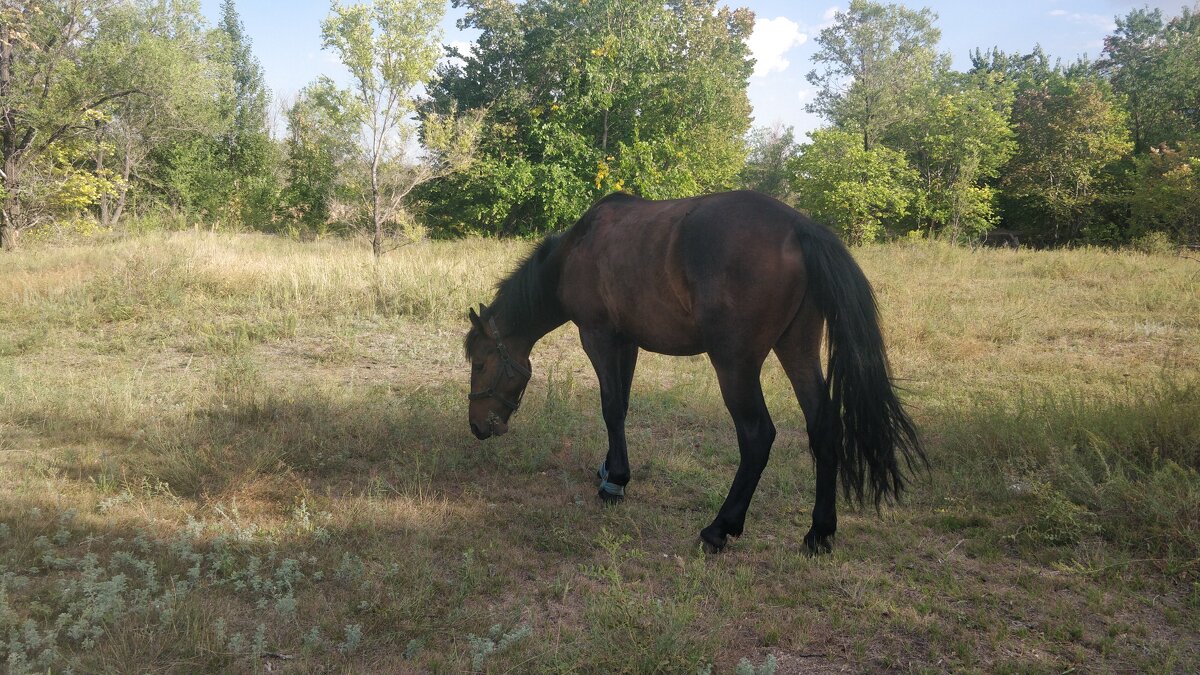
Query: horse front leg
[(614, 359), (742, 391)]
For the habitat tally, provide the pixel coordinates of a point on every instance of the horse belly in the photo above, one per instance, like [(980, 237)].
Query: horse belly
[(665, 333)]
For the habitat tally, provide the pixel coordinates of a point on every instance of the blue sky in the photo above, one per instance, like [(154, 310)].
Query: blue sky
[(287, 40)]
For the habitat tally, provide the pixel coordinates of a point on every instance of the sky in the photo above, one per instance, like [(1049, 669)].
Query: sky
[(287, 40)]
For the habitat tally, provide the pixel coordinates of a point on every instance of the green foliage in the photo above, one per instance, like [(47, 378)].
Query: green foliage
[(320, 147), (130, 109), (161, 49), (1068, 130), (1154, 243), (495, 642), (214, 160), (1155, 66), (861, 192), (957, 144), (197, 178), (585, 98), (49, 96), (884, 83), (390, 47), (244, 104), (766, 169), (245, 145), (745, 667), (67, 187), (1165, 193), (875, 58)]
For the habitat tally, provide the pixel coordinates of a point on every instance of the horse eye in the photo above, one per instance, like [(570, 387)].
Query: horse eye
[(477, 367)]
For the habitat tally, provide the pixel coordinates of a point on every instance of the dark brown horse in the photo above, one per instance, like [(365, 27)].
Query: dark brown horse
[(734, 275)]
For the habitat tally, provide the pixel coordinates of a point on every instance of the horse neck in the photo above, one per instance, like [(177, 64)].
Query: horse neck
[(545, 317), (540, 328)]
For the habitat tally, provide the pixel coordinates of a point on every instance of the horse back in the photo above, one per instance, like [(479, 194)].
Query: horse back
[(678, 275)]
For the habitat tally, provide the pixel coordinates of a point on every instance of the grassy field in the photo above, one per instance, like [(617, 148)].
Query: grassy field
[(241, 453)]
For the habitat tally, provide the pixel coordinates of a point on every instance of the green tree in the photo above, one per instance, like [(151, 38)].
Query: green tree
[(1165, 193), (158, 46), (1155, 66), (874, 58), (244, 105), (861, 192), (1022, 70), (390, 47), (957, 143), (321, 154), (46, 99), (246, 144), (224, 169), (585, 98), (1133, 61), (1068, 131), (766, 169), (1183, 73)]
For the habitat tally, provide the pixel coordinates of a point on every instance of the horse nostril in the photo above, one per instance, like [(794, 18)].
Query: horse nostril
[(479, 433)]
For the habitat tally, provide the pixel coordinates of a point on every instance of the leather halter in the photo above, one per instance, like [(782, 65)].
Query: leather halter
[(508, 368)]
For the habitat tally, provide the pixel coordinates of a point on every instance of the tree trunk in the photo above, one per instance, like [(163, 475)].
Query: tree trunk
[(10, 219), (8, 238), (376, 217), (604, 140), (104, 198), (126, 171)]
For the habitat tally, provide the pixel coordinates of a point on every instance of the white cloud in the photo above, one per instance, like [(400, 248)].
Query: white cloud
[(804, 94), (464, 48), (1100, 21), (828, 18), (771, 40)]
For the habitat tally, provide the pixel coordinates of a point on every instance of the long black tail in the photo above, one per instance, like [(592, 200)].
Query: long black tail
[(862, 412)]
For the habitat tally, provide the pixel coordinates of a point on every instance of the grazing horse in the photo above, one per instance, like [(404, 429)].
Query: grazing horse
[(733, 275)]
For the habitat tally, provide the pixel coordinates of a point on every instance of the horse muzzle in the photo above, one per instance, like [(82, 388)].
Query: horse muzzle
[(494, 427)]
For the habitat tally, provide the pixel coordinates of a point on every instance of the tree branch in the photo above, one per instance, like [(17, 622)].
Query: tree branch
[(90, 106)]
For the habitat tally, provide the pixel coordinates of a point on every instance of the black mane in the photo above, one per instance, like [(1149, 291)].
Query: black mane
[(524, 297)]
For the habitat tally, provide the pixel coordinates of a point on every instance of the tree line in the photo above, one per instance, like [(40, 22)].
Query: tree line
[(1099, 152), (136, 113)]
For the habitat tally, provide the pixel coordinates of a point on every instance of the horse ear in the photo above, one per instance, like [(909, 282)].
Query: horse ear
[(476, 320)]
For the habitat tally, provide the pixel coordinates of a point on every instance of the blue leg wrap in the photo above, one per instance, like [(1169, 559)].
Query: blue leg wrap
[(611, 488)]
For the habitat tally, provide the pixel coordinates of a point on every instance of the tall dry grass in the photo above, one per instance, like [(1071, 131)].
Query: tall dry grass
[(219, 404)]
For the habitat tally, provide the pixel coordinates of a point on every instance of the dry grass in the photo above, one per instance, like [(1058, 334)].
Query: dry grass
[(235, 452)]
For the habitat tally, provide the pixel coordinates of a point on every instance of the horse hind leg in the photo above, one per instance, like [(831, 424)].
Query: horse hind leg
[(799, 352), (742, 391)]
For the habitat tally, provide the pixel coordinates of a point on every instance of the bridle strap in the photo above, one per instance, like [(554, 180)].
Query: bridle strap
[(508, 368)]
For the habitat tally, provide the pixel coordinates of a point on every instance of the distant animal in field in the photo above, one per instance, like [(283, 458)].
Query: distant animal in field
[(735, 276), (1002, 239)]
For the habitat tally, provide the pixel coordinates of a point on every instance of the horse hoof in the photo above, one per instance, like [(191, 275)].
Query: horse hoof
[(817, 544), (713, 543), (609, 498)]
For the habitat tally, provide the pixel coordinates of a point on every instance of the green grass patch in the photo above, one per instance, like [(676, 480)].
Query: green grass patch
[(240, 453)]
